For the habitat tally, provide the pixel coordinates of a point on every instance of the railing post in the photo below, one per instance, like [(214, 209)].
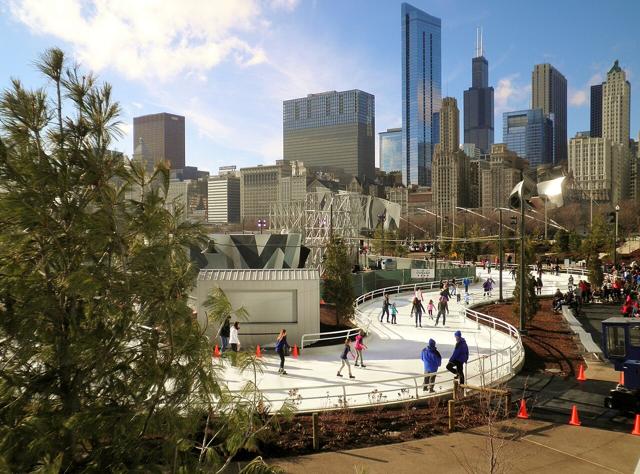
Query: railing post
[(415, 381), (316, 431), (452, 414)]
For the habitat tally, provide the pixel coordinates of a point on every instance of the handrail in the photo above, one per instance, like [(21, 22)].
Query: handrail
[(491, 369)]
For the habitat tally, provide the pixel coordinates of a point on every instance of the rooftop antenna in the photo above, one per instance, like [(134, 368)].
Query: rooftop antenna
[(481, 49), (477, 42)]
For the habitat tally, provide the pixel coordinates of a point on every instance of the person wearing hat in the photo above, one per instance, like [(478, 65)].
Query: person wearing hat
[(459, 357), (431, 359)]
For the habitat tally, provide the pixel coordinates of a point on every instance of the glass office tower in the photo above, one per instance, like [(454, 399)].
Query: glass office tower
[(391, 150), (529, 133), (421, 93)]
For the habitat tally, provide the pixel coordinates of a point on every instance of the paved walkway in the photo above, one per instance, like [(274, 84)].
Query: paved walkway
[(528, 446)]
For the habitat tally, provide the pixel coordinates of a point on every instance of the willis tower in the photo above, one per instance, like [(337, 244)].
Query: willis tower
[(478, 103)]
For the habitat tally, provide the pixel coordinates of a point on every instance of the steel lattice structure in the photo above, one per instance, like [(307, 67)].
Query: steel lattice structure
[(321, 215)]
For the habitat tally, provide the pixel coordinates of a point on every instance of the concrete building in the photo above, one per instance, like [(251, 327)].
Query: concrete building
[(391, 150), (597, 166), (332, 129), (478, 103), (223, 196), (596, 111), (421, 92), (503, 173), (450, 164), (471, 150), (529, 133), (274, 299), (549, 93), (476, 167), (163, 135), (616, 106)]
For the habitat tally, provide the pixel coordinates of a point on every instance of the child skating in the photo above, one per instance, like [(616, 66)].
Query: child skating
[(360, 346), (394, 313), (430, 308), (345, 353)]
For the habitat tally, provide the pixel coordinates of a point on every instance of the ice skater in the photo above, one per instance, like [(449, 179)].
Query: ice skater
[(281, 348), (442, 311), (343, 357), (459, 357), (360, 346), (385, 307), (394, 313), (431, 359), (430, 308)]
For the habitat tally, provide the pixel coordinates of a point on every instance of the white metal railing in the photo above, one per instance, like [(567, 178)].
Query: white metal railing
[(494, 367)]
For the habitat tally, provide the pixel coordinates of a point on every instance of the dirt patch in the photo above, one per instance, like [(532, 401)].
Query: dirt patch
[(349, 429), (550, 346)]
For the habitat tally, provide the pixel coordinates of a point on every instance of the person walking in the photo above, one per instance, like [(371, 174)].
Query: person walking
[(281, 348), (442, 310), (385, 307), (345, 353), (394, 313), (431, 359), (459, 357), (233, 337), (360, 346), (430, 308), (225, 332)]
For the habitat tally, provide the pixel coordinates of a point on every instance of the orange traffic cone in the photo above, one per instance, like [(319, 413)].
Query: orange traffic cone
[(522, 413), (581, 377), (575, 421), (258, 352), (295, 351), (216, 351), (636, 427), (621, 381)]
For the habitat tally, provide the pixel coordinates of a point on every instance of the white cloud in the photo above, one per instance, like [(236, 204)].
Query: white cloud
[(577, 98), (510, 94), (145, 39)]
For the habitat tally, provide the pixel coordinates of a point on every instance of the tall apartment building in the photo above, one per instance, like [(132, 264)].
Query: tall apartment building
[(163, 136), (503, 173), (529, 133), (450, 164), (421, 93), (597, 166), (596, 111), (391, 150), (223, 196), (476, 167), (478, 103), (549, 90), (332, 130), (616, 106), (261, 185)]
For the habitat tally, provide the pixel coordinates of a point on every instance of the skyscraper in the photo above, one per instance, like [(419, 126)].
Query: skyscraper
[(450, 164), (616, 97), (163, 137), (596, 111), (391, 150), (529, 134), (549, 89), (332, 129), (421, 92), (478, 103)]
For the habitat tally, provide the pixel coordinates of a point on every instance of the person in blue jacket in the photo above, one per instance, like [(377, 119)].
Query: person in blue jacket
[(431, 359), (459, 357)]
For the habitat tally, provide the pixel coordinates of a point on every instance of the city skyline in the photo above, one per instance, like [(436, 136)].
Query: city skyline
[(258, 68)]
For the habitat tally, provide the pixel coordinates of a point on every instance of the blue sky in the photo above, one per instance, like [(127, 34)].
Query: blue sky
[(227, 65)]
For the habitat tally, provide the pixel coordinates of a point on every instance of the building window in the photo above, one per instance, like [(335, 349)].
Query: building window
[(327, 104), (341, 104)]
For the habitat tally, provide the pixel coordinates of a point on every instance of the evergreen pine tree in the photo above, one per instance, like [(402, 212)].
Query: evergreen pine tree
[(338, 288)]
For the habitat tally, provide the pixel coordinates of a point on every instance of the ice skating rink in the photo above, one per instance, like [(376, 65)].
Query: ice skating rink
[(394, 371)]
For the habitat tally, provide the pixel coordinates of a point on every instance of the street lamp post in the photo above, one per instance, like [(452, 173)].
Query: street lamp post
[(523, 320), (615, 239), (500, 256), (262, 223)]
